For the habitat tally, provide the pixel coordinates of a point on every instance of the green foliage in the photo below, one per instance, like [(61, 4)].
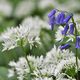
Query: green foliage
[(71, 71)]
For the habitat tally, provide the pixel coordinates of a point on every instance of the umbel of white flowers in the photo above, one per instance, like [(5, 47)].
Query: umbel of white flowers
[(27, 32), (45, 68)]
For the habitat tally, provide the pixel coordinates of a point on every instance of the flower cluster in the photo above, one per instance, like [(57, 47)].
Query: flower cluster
[(53, 66), (65, 20), (59, 18), (28, 32)]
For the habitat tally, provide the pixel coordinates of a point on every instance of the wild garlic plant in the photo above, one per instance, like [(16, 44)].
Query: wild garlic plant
[(27, 33), (56, 65)]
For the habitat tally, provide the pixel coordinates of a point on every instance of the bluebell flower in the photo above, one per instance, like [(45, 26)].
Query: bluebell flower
[(65, 29), (51, 16), (60, 18), (52, 22), (78, 42), (71, 28), (52, 13), (68, 18), (66, 46)]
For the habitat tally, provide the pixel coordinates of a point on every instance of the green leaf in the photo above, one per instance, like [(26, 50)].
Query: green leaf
[(71, 71)]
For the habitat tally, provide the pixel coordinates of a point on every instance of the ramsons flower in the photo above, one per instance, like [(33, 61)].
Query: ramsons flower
[(28, 32), (44, 68), (22, 10), (40, 78), (78, 42), (5, 8), (58, 35)]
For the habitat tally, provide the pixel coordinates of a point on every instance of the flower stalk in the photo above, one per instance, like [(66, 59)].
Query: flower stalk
[(26, 58), (76, 50)]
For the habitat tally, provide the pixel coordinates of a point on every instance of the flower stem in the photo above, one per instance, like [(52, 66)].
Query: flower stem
[(26, 58), (76, 50)]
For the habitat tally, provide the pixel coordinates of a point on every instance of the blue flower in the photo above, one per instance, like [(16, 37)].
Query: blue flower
[(78, 42), (52, 22), (68, 18), (60, 18), (51, 16), (65, 29), (66, 46), (71, 28), (52, 13)]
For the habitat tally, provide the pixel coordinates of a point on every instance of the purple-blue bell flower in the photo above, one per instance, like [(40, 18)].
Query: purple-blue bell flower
[(78, 42), (52, 13), (51, 16), (60, 18), (66, 46), (65, 29), (52, 22), (68, 18), (71, 28)]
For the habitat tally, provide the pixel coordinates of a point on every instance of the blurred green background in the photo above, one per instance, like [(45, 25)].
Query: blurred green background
[(13, 12)]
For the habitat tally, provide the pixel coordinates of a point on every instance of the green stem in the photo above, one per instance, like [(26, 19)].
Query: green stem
[(76, 51), (26, 58), (29, 64)]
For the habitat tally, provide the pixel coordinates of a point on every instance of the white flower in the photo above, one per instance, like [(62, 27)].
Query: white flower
[(69, 7), (20, 67), (40, 78), (11, 37), (61, 77), (71, 38), (55, 55), (77, 18), (11, 73), (36, 24), (27, 32), (63, 64), (25, 7), (44, 68), (43, 4), (58, 34), (5, 8)]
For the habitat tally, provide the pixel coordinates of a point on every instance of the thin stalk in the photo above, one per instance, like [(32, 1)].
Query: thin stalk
[(26, 55), (76, 50)]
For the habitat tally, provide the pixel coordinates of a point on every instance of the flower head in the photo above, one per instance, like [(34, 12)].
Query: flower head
[(44, 68), (52, 13), (68, 17), (51, 16), (28, 32), (71, 28), (52, 22), (65, 29), (66, 46), (59, 36), (60, 18)]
